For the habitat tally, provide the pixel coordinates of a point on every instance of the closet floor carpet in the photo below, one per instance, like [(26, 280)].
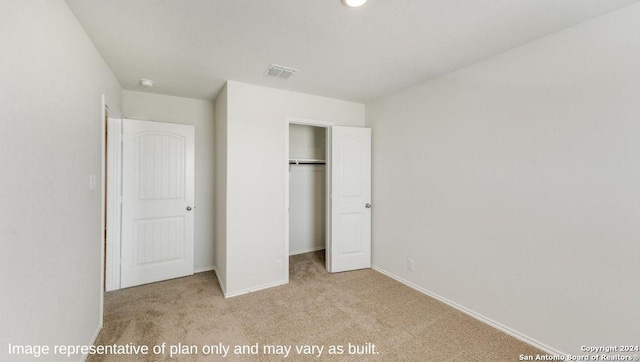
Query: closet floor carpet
[(361, 308)]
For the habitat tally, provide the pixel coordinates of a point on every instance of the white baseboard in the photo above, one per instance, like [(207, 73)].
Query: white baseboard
[(475, 315), (223, 287), (304, 251), (93, 339), (254, 289), (204, 269)]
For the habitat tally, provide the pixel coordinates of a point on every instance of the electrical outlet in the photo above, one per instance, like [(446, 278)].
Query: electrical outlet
[(278, 264), (410, 264)]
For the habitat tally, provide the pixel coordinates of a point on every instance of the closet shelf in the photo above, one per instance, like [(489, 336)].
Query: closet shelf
[(306, 161)]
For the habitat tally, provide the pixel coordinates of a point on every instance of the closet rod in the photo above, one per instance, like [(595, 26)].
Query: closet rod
[(295, 162)]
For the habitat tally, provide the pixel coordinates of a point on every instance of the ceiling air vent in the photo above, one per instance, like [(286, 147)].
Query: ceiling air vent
[(279, 71)]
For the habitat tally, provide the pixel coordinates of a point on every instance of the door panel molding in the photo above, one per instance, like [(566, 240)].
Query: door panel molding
[(157, 202), (350, 199)]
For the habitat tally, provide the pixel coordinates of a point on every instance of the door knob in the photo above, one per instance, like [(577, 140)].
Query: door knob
[(368, 205), (188, 208)]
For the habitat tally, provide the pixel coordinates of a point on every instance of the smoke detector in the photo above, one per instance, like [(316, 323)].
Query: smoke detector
[(278, 71)]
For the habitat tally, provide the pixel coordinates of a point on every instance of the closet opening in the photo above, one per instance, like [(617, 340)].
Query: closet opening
[(308, 172)]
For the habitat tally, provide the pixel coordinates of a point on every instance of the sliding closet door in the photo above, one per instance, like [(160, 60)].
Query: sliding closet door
[(350, 199)]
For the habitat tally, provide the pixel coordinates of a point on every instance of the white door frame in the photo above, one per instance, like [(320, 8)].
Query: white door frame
[(114, 205), (111, 199), (106, 187), (327, 126)]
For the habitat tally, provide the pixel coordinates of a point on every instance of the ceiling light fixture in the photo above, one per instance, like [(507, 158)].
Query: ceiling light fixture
[(353, 3), (147, 83)]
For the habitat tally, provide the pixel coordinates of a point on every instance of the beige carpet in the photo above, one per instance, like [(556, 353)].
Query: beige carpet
[(315, 308)]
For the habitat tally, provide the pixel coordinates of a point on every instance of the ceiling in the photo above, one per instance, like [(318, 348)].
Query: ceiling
[(191, 47)]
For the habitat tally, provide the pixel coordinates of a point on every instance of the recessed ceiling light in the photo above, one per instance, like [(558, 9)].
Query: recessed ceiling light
[(148, 83), (353, 3)]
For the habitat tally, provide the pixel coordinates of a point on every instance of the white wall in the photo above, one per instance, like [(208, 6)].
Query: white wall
[(221, 187), (307, 226), (307, 142), (256, 162), (50, 142), (513, 184), (199, 113)]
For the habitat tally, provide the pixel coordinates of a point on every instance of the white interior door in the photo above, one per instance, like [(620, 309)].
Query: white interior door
[(350, 247), (157, 201)]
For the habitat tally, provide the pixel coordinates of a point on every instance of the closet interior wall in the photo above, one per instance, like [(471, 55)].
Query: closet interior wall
[(307, 187)]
